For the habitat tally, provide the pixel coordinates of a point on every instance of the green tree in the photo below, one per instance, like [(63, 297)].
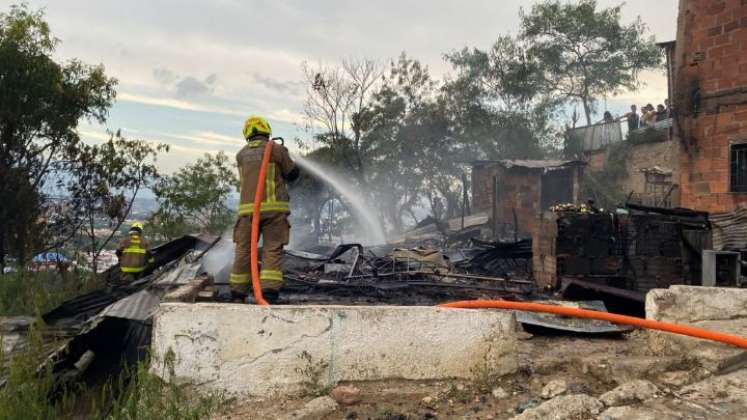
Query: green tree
[(195, 198), (105, 181), (587, 52), (500, 101), (41, 102), (403, 139)]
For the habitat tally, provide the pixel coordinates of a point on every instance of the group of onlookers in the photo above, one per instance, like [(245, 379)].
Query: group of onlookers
[(647, 117)]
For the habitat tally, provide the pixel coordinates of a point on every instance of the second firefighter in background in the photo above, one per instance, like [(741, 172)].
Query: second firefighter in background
[(274, 211), (134, 254)]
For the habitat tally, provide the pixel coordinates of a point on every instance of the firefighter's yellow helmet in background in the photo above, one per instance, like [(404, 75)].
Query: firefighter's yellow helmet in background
[(137, 226), (256, 125)]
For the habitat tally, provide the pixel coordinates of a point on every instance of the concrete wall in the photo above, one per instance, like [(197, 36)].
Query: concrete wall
[(710, 99), (258, 351), (716, 308), (664, 154)]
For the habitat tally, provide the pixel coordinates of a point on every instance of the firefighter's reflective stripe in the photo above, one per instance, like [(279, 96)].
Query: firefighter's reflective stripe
[(255, 143), (272, 275), (270, 187), (134, 255), (247, 209), (270, 203), (239, 278)]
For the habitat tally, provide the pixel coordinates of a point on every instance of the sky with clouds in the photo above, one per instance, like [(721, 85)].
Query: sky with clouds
[(190, 71)]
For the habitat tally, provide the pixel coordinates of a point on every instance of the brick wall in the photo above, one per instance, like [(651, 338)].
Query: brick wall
[(482, 186), (519, 191), (642, 156), (520, 194), (710, 99)]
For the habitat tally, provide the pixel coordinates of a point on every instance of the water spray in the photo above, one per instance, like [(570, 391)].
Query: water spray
[(374, 232)]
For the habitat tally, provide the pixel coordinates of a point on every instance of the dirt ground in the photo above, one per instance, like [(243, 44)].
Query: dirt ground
[(563, 365)]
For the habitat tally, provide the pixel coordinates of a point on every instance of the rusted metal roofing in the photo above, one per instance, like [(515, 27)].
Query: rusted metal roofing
[(730, 229)]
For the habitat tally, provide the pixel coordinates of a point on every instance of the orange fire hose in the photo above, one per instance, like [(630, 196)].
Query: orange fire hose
[(602, 316), (256, 216)]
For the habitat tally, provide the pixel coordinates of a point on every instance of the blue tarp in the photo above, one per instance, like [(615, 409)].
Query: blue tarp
[(49, 257)]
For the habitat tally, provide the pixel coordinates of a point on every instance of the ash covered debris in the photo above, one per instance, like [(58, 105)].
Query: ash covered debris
[(354, 274)]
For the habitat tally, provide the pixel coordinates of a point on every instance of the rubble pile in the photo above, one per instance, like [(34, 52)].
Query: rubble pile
[(352, 274)]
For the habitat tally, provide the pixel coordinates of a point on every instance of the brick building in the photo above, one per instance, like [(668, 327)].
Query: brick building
[(652, 171), (514, 193), (710, 103)]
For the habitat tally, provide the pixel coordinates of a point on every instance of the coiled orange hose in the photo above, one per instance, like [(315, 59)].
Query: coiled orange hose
[(602, 316), (256, 216)]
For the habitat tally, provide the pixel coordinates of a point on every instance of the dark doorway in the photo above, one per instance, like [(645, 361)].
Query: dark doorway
[(557, 187)]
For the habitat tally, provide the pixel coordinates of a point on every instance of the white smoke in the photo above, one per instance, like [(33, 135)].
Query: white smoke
[(370, 228), (218, 260)]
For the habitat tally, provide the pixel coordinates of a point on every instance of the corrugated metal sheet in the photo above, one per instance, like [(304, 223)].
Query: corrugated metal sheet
[(579, 325), (730, 229), (138, 306), (181, 274)]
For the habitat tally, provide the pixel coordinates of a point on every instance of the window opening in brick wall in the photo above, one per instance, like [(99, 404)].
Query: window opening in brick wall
[(738, 168)]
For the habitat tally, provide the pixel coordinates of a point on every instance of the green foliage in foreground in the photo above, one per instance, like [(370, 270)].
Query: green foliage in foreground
[(31, 391), (24, 396), (137, 394), (31, 293), (148, 397)]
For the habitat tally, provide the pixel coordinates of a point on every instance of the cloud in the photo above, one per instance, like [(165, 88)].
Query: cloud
[(189, 87), (206, 137), (287, 116), (284, 115), (92, 135), (167, 57), (164, 76), (283, 87), (176, 104)]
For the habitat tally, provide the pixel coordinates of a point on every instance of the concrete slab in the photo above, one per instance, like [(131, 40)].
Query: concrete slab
[(249, 350), (714, 308)]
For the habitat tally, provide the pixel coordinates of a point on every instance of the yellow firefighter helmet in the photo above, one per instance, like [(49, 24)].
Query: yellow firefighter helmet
[(255, 125)]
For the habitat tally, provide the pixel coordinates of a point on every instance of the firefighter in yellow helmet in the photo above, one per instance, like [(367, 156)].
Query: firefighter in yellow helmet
[(134, 254), (274, 211)]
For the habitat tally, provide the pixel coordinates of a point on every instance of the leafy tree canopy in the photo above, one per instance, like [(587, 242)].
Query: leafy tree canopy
[(41, 102), (586, 52)]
